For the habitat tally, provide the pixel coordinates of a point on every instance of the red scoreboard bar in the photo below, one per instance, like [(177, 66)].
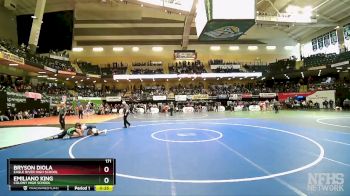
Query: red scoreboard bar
[(61, 174)]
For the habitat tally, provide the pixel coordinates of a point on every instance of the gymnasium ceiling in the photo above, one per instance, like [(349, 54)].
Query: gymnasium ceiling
[(116, 22)]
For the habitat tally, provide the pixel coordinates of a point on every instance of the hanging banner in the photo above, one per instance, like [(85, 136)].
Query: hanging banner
[(235, 97), (114, 99), (334, 37), (50, 69), (67, 73), (225, 66), (347, 32), (320, 96), (247, 96), (320, 42), (159, 98), (12, 57), (180, 97), (285, 96), (32, 95), (200, 96), (222, 96), (314, 44), (267, 95), (185, 55), (327, 40)]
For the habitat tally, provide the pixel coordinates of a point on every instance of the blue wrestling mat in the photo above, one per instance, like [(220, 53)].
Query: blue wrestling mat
[(211, 154)]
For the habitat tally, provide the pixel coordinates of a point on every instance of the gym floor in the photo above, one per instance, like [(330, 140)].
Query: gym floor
[(228, 153)]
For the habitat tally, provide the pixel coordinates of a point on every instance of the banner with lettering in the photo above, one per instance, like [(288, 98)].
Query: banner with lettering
[(159, 98), (12, 57), (267, 95), (200, 96), (334, 37), (235, 97), (14, 98), (67, 73), (314, 44), (347, 32), (326, 39), (33, 95), (232, 66), (320, 42), (180, 97), (222, 96), (247, 96), (50, 69), (113, 98)]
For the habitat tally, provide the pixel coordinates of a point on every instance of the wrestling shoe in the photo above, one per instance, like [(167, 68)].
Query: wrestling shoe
[(49, 138)]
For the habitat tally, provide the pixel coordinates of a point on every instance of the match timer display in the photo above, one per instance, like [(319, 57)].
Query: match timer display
[(61, 174)]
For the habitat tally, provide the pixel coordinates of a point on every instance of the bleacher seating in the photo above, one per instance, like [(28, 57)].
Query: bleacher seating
[(147, 68), (282, 66), (187, 67), (35, 60), (325, 59), (89, 68)]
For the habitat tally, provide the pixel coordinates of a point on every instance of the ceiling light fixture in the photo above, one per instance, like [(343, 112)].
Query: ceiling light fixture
[(157, 49), (252, 48), (118, 49), (270, 47), (215, 48), (78, 49), (233, 48), (97, 49), (135, 49)]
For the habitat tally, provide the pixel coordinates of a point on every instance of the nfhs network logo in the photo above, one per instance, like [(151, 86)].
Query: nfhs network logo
[(327, 182)]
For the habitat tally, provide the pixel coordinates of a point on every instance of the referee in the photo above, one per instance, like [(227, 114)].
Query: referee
[(171, 108), (62, 115), (126, 111)]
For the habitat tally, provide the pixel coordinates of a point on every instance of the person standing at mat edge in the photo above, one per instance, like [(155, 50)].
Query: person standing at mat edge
[(62, 115), (126, 111), (80, 111), (171, 108)]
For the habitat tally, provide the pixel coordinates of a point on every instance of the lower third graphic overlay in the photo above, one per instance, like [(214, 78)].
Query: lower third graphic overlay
[(61, 174)]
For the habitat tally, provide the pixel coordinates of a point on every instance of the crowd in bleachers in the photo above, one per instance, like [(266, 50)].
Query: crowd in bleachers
[(87, 67), (187, 67), (115, 68), (92, 91), (149, 67), (188, 89), (147, 71), (282, 66), (325, 59), (222, 62), (17, 84), (236, 66), (145, 91), (36, 60)]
